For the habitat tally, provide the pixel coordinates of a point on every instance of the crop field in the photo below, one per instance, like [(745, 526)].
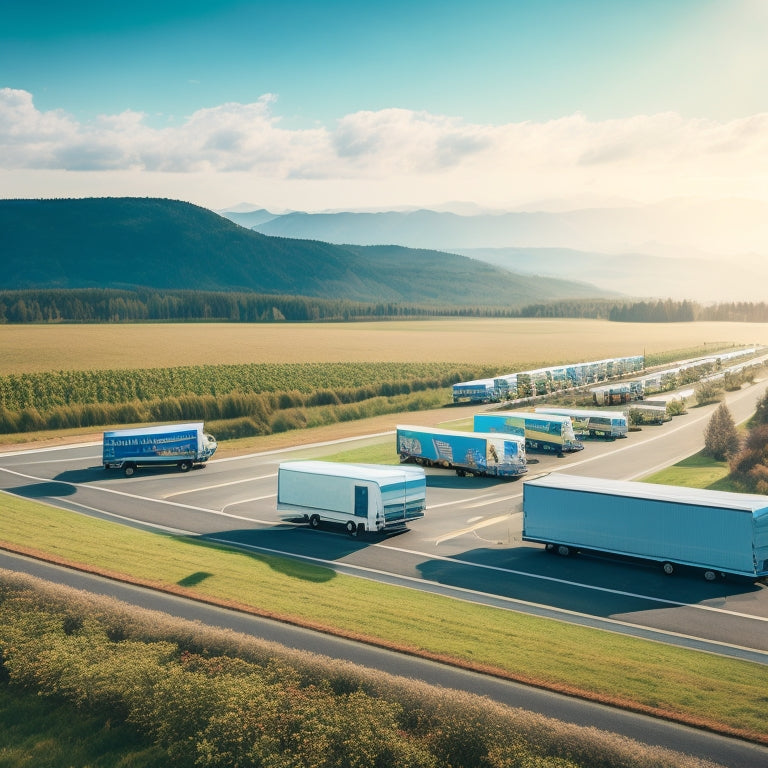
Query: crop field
[(509, 344)]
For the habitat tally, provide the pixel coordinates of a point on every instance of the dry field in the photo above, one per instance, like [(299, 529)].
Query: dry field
[(510, 344)]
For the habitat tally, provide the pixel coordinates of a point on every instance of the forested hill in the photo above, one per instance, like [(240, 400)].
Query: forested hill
[(125, 243)]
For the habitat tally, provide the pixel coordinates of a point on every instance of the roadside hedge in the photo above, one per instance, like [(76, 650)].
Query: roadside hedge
[(215, 698)]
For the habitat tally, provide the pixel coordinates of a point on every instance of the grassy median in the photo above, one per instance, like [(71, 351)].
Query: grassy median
[(698, 688)]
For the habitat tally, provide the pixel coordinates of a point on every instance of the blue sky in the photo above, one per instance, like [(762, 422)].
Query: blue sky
[(319, 105)]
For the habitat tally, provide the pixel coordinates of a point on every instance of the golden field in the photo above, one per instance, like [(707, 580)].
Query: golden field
[(510, 344)]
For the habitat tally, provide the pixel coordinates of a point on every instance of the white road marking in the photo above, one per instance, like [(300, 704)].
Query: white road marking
[(219, 485)]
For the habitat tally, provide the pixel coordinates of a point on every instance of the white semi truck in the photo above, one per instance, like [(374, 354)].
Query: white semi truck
[(360, 497)]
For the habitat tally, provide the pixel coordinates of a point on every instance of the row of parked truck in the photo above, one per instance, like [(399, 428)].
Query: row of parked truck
[(714, 531)]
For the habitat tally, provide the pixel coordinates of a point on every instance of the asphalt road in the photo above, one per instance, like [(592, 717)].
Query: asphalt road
[(468, 544), (732, 753)]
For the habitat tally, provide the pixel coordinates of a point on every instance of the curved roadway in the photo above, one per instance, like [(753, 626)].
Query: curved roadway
[(468, 544)]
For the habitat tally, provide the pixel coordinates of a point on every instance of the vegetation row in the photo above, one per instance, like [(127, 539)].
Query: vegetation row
[(96, 305), (235, 400), (745, 451), (253, 394), (214, 698)]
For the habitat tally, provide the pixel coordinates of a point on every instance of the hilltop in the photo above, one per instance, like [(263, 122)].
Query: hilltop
[(172, 245)]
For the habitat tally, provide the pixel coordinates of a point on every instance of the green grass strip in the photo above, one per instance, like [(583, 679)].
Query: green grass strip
[(695, 687)]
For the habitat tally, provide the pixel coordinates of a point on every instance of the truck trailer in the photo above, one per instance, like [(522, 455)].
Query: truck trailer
[(360, 497), (182, 445), (716, 532), (592, 423), (469, 453), (542, 432)]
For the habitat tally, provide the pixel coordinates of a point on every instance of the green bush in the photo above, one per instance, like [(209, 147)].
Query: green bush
[(217, 699)]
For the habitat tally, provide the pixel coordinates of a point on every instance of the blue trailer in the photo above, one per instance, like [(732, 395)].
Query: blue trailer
[(359, 497), (592, 423), (469, 453), (542, 432), (182, 445), (716, 532), (477, 391)]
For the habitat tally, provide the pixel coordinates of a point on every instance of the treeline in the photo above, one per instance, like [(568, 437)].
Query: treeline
[(686, 311), (97, 305), (236, 400), (217, 699), (654, 312)]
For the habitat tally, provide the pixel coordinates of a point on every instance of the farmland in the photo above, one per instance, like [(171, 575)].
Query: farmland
[(508, 344)]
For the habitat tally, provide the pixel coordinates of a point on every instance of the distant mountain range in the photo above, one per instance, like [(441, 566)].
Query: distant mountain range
[(702, 250), (172, 245)]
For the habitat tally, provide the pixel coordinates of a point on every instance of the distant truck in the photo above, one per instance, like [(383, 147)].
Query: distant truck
[(477, 391), (716, 532), (541, 431), (182, 445), (361, 497), (592, 423), (469, 453)]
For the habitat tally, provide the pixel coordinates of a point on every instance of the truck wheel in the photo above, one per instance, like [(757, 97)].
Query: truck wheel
[(668, 568), (314, 521), (129, 470), (351, 528), (185, 466), (710, 575), (563, 550)]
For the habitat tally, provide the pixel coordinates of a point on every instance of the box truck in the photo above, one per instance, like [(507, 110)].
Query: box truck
[(542, 432), (592, 423), (182, 445), (361, 497), (478, 391), (469, 453), (716, 532)]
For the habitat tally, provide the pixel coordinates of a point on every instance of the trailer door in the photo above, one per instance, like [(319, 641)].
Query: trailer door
[(361, 501)]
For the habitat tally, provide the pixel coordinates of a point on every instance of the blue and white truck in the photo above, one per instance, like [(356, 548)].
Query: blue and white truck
[(182, 445), (477, 391), (715, 532), (592, 423), (469, 453), (360, 497), (542, 432)]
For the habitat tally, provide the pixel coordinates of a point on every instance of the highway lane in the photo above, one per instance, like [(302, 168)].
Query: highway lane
[(732, 753), (468, 543)]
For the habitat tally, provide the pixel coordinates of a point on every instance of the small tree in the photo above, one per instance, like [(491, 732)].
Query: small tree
[(707, 392), (721, 439), (761, 411), (749, 467)]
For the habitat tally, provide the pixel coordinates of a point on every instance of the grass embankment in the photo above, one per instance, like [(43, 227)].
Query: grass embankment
[(702, 689), (697, 471)]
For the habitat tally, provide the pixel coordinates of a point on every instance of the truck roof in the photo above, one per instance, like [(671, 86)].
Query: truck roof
[(463, 433), (704, 497), (158, 429), (580, 412), (373, 472), (554, 417)]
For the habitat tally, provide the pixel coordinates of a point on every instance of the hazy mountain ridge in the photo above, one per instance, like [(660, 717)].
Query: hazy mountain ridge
[(168, 244), (703, 250)]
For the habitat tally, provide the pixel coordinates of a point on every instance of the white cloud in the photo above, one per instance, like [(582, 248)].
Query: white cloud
[(393, 156)]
